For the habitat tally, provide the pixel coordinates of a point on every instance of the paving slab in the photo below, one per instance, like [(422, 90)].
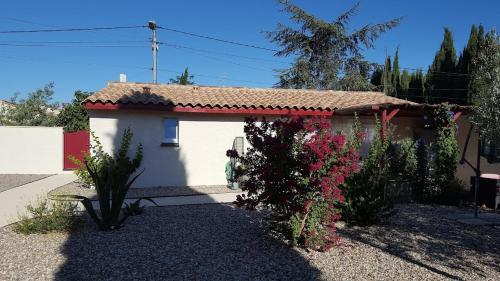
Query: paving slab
[(8, 181), (14, 200)]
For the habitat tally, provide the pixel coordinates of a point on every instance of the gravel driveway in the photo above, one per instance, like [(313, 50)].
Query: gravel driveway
[(8, 181), (219, 242)]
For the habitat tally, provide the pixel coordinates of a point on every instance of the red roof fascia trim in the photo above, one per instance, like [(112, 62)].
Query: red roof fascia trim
[(199, 109), (457, 115)]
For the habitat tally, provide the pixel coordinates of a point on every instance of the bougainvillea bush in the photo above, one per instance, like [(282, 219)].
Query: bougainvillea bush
[(294, 168)]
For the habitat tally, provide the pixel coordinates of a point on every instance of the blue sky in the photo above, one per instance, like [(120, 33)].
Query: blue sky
[(24, 69)]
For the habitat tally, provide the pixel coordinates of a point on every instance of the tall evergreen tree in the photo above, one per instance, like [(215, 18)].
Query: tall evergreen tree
[(416, 90), (377, 77), (184, 79), (387, 76), (405, 85), (328, 53), (441, 86), (396, 83), (465, 62)]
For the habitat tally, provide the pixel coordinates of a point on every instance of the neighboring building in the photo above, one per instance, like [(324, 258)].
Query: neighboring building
[(5, 105), (186, 130)]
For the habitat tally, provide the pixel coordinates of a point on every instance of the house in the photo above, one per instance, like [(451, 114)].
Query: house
[(186, 130), (4, 105)]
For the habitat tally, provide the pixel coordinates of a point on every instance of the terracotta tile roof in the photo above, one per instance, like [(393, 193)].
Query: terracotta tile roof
[(247, 98)]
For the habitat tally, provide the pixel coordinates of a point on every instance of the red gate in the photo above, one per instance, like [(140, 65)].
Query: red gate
[(76, 144)]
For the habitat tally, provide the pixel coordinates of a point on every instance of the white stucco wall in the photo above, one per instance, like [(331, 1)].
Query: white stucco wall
[(200, 158), (31, 150)]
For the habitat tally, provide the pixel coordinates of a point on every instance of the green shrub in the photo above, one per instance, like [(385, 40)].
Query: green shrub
[(44, 217), (453, 193), (112, 178), (424, 185), (403, 160), (81, 172), (364, 191), (438, 161)]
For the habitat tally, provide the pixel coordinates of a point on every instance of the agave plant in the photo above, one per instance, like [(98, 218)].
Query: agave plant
[(112, 178)]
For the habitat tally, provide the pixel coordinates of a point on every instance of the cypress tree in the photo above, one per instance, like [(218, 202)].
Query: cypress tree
[(440, 77), (417, 89), (387, 77), (405, 84), (396, 83)]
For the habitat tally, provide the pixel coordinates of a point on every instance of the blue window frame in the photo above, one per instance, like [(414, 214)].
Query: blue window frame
[(170, 131)]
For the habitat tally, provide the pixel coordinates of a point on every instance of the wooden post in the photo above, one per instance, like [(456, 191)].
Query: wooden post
[(384, 124)]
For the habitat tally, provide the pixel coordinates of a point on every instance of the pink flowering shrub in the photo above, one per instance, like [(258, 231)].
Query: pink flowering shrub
[(295, 167)]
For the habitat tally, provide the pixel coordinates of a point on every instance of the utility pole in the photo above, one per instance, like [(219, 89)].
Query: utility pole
[(154, 44)]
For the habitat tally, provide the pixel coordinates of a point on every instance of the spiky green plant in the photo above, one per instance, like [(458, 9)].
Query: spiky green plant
[(112, 178)]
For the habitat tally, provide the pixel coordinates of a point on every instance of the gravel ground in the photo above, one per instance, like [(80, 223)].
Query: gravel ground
[(8, 181), (219, 242)]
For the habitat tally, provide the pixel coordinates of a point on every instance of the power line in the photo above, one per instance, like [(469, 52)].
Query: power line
[(219, 53), (28, 22), (72, 29), (217, 39), (227, 61), (74, 42), (73, 46), (143, 68)]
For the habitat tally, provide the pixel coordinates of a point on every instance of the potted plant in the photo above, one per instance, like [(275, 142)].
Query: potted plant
[(231, 166)]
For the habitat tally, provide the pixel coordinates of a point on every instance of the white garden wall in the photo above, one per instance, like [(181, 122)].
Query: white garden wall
[(31, 150)]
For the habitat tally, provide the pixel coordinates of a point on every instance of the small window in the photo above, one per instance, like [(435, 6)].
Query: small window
[(171, 131)]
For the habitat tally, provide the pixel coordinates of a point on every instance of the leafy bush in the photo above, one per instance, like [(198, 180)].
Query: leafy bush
[(111, 178), (294, 167), (403, 160), (364, 191), (81, 172), (453, 193), (437, 162), (446, 146), (45, 217), (424, 184)]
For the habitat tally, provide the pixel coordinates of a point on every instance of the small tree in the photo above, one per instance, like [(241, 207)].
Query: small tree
[(73, 116), (446, 147), (438, 161), (36, 110), (486, 88), (184, 79)]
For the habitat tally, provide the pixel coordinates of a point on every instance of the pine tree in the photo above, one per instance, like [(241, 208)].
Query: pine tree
[(396, 83), (328, 53), (184, 79)]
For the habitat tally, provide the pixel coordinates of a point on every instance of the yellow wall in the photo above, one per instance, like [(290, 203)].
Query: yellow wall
[(464, 172), (411, 127)]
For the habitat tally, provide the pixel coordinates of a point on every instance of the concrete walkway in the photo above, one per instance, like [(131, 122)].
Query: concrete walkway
[(13, 201)]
